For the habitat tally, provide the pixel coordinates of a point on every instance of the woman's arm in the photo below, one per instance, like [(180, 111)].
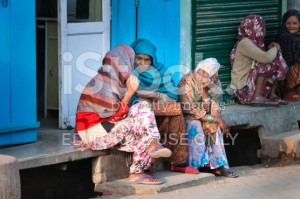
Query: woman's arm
[(132, 84), (148, 95), (249, 49), (188, 104)]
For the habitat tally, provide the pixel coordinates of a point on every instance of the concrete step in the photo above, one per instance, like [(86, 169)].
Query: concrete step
[(173, 181), (53, 147), (282, 145)]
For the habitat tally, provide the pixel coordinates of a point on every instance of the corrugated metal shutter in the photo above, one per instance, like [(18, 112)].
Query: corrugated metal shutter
[(215, 28)]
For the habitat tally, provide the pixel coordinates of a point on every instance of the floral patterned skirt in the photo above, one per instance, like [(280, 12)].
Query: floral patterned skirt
[(277, 69), (205, 151), (133, 134)]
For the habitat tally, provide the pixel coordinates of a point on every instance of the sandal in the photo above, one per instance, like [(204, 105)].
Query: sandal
[(263, 102), (225, 172), (278, 100), (187, 169), (160, 151), (147, 179)]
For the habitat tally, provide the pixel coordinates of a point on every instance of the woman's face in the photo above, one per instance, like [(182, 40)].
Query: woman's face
[(292, 24), (142, 61), (203, 78)]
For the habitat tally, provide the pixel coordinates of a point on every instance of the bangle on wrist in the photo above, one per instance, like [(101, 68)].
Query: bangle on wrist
[(210, 119), (206, 100), (157, 97)]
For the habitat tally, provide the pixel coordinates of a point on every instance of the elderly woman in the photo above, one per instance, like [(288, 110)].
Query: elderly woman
[(289, 40), (255, 71), (104, 120), (205, 127), (157, 85)]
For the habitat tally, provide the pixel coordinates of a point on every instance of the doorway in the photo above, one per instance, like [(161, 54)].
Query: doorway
[(72, 37), (47, 63)]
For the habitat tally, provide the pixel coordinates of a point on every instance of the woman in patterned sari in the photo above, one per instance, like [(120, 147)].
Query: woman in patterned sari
[(104, 120), (289, 40), (205, 127), (255, 71), (157, 85)]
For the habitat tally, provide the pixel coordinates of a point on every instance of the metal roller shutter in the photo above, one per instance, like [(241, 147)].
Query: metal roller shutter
[(215, 26)]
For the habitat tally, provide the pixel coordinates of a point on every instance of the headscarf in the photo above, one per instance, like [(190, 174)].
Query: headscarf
[(253, 28), (105, 91), (289, 43), (212, 66), (156, 78), (209, 65)]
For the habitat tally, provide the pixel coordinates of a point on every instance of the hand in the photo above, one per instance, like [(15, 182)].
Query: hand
[(274, 44), (206, 84), (224, 127), (132, 84), (116, 119)]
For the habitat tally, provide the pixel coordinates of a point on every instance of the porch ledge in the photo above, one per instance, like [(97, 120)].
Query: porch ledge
[(274, 120), (52, 147)]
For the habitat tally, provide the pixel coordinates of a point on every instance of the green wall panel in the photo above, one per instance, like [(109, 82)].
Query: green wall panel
[(215, 25)]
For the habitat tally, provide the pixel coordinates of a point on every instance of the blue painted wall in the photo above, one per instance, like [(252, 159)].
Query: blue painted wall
[(5, 67), (18, 114), (156, 20), (123, 22)]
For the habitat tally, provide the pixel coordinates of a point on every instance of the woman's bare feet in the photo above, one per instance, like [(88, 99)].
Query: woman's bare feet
[(143, 178), (262, 101), (155, 150), (273, 97)]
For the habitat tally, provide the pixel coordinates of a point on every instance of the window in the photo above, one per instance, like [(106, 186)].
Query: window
[(84, 11)]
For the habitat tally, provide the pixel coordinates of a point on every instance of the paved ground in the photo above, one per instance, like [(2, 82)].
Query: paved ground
[(268, 180)]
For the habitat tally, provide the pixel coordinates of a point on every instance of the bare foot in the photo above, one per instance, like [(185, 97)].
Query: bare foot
[(142, 178)]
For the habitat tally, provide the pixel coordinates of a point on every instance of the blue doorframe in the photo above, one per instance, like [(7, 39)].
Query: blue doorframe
[(18, 121), (156, 20), (5, 67)]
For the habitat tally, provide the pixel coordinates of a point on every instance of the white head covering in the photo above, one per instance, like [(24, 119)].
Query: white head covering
[(209, 65)]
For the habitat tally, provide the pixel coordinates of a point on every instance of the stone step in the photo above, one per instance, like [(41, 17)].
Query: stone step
[(52, 147), (282, 145), (173, 181)]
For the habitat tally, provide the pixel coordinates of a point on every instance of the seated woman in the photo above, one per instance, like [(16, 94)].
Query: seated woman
[(157, 85), (104, 120), (255, 71), (289, 39), (205, 127)]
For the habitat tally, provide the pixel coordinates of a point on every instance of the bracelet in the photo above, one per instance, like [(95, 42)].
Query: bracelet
[(206, 100), (210, 119), (157, 96)]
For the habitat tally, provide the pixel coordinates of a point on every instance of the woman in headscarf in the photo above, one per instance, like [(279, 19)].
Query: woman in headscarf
[(104, 120), (255, 71), (289, 40), (205, 127), (157, 85)]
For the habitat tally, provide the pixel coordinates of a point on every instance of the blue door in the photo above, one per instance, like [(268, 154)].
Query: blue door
[(18, 72), (159, 21), (5, 68), (156, 20)]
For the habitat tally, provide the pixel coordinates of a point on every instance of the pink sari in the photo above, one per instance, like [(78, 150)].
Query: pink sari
[(253, 28)]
